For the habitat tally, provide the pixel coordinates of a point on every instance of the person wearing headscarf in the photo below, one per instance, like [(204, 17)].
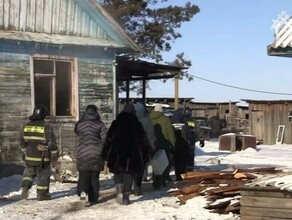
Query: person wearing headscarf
[(39, 147), (165, 138), (123, 151), (150, 139), (91, 133)]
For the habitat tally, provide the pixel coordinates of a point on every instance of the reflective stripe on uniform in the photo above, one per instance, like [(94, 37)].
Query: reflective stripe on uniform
[(34, 138), (27, 178), (37, 159), (37, 129), (34, 133), (54, 151), (42, 187), (191, 124)]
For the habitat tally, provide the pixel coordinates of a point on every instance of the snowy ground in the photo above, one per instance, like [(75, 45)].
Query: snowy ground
[(151, 205)]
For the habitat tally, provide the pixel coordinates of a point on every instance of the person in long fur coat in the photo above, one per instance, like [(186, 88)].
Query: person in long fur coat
[(125, 150)]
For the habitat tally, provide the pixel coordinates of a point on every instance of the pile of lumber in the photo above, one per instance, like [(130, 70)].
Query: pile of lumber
[(220, 188)]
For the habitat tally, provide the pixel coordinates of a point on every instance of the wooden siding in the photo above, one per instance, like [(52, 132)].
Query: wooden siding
[(15, 101), (63, 17), (265, 203), (265, 119), (95, 87)]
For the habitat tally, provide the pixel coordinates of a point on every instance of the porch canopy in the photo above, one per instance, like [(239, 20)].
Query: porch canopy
[(129, 69)]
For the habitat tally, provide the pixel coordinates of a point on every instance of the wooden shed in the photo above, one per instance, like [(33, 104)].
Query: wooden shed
[(61, 54), (230, 116), (271, 120)]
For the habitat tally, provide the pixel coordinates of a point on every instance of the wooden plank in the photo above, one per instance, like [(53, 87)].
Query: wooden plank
[(2, 13), (6, 13), (14, 14), (218, 205), (39, 21), (191, 189), (55, 17), (30, 16), (70, 16), (224, 189), (48, 16), (183, 199), (22, 15), (249, 217), (266, 212), (275, 194), (63, 17), (266, 202), (233, 207)]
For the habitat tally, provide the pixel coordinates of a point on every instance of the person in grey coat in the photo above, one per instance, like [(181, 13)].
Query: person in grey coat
[(151, 139), (91, 132)]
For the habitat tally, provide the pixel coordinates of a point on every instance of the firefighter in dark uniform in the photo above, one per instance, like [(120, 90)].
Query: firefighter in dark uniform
[(195, 132), (38, 144)]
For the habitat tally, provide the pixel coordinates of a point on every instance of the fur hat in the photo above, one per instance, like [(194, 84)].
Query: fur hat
[(158, 108)]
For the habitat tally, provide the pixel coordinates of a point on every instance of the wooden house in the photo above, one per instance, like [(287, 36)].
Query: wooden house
[(61, 54), (267, 117)]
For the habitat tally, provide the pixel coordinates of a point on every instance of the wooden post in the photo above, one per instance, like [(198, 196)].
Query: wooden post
[(128, 90), (176, 79), (144, 90)]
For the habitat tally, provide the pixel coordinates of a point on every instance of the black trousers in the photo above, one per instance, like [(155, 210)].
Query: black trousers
[(88, 182), (43, 178)]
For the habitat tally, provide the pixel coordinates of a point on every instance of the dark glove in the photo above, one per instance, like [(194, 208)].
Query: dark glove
[(202, 143)]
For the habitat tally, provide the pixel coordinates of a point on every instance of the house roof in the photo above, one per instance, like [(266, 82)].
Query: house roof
[(74, 22), (214, 103), (267, 101), (131, 69), (282, 45), (157, 99)]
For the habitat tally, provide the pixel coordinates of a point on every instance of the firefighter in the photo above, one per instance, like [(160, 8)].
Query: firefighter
[(39, 148), (195, 133)]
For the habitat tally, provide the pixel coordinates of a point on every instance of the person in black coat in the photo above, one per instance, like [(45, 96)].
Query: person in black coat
[(125, 150), (183, 149), (91, 132)]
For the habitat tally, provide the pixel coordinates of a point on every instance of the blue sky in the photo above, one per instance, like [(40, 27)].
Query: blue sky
[(227, 43)]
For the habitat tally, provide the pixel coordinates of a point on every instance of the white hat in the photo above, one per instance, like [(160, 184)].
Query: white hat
[(158, 108)]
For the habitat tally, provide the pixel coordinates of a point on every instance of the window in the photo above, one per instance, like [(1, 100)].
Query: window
[(54, 84), (290, 116)]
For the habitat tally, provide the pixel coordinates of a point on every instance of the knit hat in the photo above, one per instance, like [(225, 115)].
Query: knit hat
[(158, 108), (92, 107)]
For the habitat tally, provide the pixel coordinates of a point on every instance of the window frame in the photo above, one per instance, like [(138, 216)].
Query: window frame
[(74, 102)]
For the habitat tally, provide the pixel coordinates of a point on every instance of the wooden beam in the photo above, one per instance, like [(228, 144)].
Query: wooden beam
[(176, 80)]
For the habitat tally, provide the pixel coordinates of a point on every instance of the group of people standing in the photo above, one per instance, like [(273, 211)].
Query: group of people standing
[(127, 147)]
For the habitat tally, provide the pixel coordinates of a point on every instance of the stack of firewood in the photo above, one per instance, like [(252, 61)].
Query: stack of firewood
[(220, 188)]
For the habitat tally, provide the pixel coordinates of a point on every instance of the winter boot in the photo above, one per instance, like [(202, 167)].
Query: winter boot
[(119, 190), (126, 199), (24, 193), (83, 195), (42, 197), (137, 190)]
